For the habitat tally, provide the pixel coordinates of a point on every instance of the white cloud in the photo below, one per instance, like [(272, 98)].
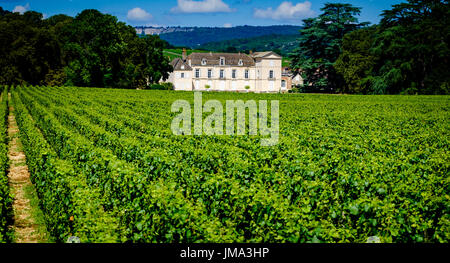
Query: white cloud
[(139, 15), (227, 25), (205, 6), (286, 11), (21, 9)]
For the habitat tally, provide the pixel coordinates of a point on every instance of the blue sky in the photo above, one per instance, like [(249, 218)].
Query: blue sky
[(200, 12)]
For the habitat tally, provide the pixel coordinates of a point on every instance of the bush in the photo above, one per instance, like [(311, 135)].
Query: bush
[(162, 86)]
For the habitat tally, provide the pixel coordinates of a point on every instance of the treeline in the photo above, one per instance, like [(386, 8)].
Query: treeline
[(202, 35), (91, 49), (407, 53), (280, 44)]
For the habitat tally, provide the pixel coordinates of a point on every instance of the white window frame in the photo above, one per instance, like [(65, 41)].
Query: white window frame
[(240, 62), (271, 75), (204, 61), (182, 75), (222, 74), (197, 73), (234, 74), (247, 74), (222, 61), (210, 73)]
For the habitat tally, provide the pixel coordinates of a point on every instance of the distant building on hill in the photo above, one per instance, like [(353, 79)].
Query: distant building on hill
[(259, 72)]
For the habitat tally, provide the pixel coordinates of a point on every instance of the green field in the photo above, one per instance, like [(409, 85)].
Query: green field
[(107, 167), (177, 52)]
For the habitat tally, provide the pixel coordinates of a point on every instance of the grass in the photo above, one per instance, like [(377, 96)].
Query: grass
[(36, 213)]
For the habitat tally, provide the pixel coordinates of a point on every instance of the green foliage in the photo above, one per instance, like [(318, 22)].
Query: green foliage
[(28, 49), (281, 44), (412, 47), (4, 12), (5, 196), (320, 45), (356, 61), (70, 206), (92, 49), (335, 176), (174, 53), (198, 36), (162, 86)]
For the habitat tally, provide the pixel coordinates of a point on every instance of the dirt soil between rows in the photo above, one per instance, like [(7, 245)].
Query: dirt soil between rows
[(24, 227)]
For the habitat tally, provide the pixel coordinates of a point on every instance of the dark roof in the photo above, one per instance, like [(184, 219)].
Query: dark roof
[(178, 62), (213, 59)]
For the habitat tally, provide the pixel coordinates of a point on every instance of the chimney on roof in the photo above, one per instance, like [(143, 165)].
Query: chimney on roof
[(184, 55)]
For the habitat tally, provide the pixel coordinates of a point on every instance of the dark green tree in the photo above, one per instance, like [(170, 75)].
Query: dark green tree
[(28, 50), (356, 60), (4, 12), (156, 64), (413, 49), (92, 49), (95, 49), (320, 44), (102, 52)]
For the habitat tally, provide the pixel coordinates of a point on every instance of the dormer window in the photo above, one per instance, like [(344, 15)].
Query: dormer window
[(203, 61), (182, 67), (222, 61), (240, 63)]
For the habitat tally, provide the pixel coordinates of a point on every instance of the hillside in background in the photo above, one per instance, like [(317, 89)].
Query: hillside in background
[(281, 44), (173, 53), (198, 36)]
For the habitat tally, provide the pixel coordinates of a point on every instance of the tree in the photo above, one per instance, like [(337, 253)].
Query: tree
[(102, 52), (356, 60), (29, 51), (320, 44), (413, 49), (4, 12), (92, 49), (156, 64)]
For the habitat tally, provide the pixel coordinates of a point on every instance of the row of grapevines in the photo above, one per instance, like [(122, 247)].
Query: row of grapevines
[(346, 167), (149, 211), (220, 202), (70, 207), (5, 197)]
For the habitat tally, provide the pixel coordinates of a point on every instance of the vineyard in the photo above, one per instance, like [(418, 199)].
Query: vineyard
[(5, 196), (107, 168)]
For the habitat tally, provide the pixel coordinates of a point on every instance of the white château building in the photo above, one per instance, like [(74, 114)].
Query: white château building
[(258, 72)]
